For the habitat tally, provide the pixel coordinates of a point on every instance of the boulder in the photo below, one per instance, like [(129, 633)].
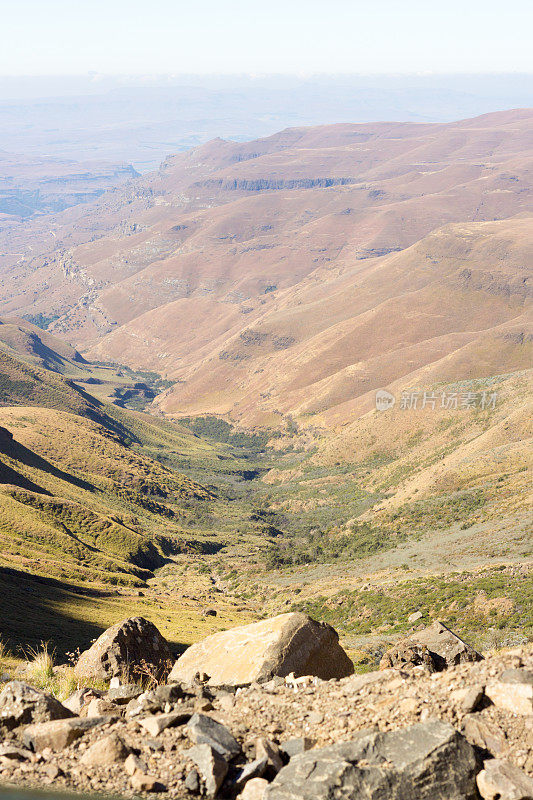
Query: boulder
[(59, 733), (445, 645), (126, 648), (500, 780), (21, 704), (435, 647), (287, 643), (428, 761)]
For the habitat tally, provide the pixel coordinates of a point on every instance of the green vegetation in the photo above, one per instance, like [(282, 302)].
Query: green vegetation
[(320, 547), (41, 320), (493, 607)]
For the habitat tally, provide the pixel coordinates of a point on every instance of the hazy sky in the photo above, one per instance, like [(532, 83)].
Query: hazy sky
[(40, 37)]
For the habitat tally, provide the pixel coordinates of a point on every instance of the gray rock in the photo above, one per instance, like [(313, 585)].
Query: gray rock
[(254, 769), (293, 747), (517, 676), (213, 767), (429, 761), (170, 693), (192, 782), (123, 694), (158, 723), (126, 647), (58, 734), (206, 730), (21, 704), (500, 780)]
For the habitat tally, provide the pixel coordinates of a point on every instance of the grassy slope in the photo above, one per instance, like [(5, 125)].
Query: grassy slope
[(97, 501)]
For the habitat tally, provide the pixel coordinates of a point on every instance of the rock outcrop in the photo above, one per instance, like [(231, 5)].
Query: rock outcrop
[(424, 762), (125, 649), (287, 643)]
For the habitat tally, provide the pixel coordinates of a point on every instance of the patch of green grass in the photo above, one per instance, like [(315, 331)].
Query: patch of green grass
[(452, 599)]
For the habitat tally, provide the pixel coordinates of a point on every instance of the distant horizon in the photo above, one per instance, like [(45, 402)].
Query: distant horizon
[(304, 37)]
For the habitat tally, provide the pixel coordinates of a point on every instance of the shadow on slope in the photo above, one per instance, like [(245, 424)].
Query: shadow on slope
[(68, 616)]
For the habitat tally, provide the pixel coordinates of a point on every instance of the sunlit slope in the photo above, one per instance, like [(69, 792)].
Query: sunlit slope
[(455, 305)]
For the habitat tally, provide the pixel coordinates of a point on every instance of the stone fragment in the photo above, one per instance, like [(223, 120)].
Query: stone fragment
[(141, 782), (206, 730), (109, 750), (265, 749), (513, 691), (254, 769), (500, 780), (121, 695), (81, 698), (100, 707), (484, 733), (414, 617), (254, 789), (14, 752), (126, 647), (58, 734), (192, 781), (293, 747), (287, 643), (469, 698), (429, 761), (52, 772), (21, 704), (158, 723), (134, 764), (213, 767)]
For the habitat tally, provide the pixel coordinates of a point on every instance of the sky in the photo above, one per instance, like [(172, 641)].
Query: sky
[(75, 37)]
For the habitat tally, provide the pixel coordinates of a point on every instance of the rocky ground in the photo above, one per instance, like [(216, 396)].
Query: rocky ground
[(410, 732)]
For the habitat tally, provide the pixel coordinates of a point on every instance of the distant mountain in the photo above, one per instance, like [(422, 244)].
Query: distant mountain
[(295, 275), (35, 185), (140, 119)]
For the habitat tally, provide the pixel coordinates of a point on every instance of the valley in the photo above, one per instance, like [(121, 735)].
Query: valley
[(188, 372)]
